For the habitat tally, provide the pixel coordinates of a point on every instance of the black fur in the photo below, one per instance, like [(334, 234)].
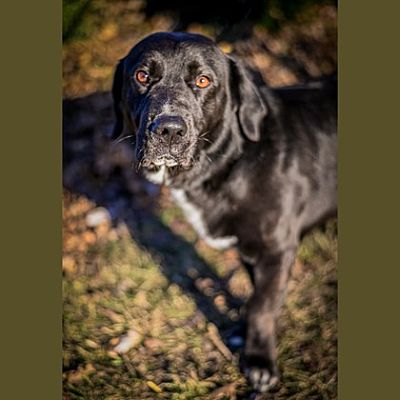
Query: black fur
[(258, 163)]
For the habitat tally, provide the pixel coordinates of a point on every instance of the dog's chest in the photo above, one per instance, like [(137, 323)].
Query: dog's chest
[(196, 218)]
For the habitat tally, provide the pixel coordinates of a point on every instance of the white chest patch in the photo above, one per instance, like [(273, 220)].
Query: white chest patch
[(195, 216), (159, 177)]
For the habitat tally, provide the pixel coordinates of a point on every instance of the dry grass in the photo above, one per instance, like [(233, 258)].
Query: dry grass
[(112, 286)]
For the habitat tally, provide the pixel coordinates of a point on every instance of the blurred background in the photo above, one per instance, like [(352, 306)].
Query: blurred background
[(148, 307)]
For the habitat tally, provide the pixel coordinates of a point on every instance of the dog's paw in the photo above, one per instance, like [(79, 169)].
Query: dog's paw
[(261, 372), (261, 379)]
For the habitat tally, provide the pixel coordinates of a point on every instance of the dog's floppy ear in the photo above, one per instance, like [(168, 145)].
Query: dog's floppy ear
[(117, 88), (250, 107)]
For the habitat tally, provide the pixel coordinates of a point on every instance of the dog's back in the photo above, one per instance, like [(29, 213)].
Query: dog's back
[(305, 128)]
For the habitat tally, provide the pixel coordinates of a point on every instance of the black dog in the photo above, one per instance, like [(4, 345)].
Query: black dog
[(250, 166)]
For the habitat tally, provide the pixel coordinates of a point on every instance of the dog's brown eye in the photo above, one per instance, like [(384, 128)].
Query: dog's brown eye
[(202, 81), (142, 77)]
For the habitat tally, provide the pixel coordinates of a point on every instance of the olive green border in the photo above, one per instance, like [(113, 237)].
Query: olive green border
[(30, 168), (369, 173)]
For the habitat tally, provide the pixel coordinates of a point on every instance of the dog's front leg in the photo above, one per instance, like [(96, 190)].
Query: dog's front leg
[(270, 277)]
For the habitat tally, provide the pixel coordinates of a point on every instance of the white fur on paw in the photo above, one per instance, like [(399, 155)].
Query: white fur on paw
[(261, 379)]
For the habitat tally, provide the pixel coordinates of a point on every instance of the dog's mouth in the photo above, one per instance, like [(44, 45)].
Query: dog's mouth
[(167, 162)]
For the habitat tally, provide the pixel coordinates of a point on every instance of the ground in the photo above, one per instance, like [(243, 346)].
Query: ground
[(147, 305)]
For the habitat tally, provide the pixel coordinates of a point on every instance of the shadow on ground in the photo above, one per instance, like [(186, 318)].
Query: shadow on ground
[(103, 171)]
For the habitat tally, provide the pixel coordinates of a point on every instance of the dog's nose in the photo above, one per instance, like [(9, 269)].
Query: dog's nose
[(169, 126)]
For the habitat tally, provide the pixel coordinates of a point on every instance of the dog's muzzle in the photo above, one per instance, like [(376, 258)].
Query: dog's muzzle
[(166, 144)]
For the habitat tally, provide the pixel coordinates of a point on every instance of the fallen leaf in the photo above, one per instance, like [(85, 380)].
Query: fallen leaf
[(82, 371), (114, 341), (224, 391), (69, 265), (92, 344), (153, 344), (153, 386)]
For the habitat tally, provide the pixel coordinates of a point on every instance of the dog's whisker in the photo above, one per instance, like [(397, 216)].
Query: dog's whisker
[(203, 134), (139, 165), (117, 141), (206, 140)]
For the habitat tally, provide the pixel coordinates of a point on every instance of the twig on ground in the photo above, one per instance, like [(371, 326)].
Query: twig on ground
[(217, 341)]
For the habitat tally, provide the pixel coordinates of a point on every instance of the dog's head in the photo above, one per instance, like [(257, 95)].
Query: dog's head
[(175, 92)]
